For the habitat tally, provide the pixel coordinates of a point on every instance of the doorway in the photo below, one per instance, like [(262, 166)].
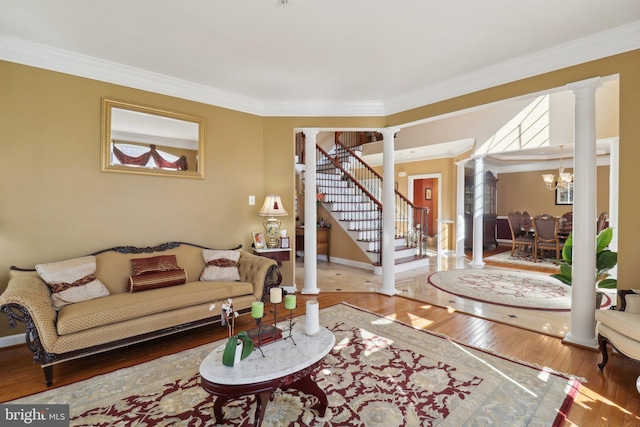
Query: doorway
[(424, 191)]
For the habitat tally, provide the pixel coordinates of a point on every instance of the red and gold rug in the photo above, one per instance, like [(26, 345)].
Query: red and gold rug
[(380, 373)]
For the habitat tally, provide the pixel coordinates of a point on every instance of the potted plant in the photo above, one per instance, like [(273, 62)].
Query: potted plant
[(606, 259)]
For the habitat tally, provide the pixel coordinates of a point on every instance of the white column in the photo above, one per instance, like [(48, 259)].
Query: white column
[(460, 228), (478, 212), (614, 188), (388, 213), (583, 303), (310, 214)]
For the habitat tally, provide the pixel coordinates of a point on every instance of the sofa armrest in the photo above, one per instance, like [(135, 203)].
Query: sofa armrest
[(28, 299), (258, 270), (629, 300)]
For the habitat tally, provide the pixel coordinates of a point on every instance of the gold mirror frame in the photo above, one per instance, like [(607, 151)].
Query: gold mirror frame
[(195, 167)]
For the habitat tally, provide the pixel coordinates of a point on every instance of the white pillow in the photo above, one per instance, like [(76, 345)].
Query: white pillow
[(72, 281), (221, 265)]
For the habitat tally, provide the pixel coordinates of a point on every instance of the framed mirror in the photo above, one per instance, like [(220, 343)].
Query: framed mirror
[(145, 140)]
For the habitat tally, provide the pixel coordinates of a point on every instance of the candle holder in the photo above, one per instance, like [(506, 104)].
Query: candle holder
[(258, 345)]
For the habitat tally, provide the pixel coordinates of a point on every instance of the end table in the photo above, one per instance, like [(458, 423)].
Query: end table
[(277, 254)]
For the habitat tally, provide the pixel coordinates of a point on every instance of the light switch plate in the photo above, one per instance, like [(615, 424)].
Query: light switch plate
[(252, 200)]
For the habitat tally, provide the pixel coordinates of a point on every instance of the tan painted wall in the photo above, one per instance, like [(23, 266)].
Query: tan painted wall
[(525, 191)]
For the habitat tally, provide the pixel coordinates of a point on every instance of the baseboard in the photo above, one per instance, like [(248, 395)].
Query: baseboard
[(351, 263), (12, 340)]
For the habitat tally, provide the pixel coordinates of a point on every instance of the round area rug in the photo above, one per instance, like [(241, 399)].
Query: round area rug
[(511, 288)]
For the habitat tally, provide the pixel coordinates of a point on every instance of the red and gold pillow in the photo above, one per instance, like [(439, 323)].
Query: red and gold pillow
[(154, 264), (159, 279), (156, 272)]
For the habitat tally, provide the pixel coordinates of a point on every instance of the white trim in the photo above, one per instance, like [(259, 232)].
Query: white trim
[(351, 263), (618, 40), (11, 340)]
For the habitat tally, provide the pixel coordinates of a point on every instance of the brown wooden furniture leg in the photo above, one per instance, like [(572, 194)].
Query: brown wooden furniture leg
[(261, 405), (309, 386), (217, 408)]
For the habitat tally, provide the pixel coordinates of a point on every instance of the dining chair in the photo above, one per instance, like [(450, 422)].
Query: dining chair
[(568, 216), (602, 221), (518, 238), (545, 230)]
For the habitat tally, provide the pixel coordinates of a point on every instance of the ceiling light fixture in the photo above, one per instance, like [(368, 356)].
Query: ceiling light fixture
[(564, 178)]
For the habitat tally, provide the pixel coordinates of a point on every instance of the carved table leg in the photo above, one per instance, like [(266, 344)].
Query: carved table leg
[(261, 405), (217, 408), (309, 386)]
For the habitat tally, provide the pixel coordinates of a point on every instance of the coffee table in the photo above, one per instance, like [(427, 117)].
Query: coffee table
[(284, 365)]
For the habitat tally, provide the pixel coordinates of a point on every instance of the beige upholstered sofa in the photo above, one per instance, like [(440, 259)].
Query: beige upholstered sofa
[(621, 327), (120, 316)]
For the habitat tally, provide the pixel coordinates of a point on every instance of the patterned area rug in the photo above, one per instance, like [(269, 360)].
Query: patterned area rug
[(524, 260), (380, 373), (504, 287)]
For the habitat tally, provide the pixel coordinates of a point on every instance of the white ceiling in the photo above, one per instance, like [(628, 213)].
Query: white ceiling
[(314, 57)]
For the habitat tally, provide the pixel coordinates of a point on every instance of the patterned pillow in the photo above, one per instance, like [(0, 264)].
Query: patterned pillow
[(72, 281), (159, 279), (221, 265), (154, 264)]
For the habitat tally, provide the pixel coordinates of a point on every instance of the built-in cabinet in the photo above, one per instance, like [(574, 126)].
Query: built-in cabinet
[(489, 222)]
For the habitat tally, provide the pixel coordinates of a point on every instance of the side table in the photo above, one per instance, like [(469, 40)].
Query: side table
[(277, 254)]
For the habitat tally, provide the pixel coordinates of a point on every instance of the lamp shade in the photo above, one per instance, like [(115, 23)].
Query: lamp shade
[(272, 207)]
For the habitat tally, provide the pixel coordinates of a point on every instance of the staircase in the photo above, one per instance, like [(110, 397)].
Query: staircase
[(352, 193)]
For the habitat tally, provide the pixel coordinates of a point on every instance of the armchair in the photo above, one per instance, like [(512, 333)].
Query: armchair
[(619, 328)]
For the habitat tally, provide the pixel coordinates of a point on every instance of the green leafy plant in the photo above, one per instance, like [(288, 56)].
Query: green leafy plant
[(606, 259)]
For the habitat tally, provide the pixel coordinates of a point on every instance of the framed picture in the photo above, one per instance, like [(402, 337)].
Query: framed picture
[(284, 242), (427, 194), (564, 196), (258, 239)]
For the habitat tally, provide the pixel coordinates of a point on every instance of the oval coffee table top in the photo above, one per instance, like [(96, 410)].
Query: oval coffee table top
[(281, 358)]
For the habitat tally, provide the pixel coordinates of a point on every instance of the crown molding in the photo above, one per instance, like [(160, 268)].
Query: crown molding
[(607, 43)]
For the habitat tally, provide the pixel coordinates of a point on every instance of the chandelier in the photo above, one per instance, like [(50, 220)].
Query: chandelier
[(564, 178)]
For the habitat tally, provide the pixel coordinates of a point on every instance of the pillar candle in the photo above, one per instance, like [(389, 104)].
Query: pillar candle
[(312, 325), (257, 310), (275, 295), (290, 302)]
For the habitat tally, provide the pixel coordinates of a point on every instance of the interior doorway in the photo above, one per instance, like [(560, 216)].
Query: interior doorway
[(424, 191)]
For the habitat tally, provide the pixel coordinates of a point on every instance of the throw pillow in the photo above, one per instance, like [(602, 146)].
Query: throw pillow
[(159, 279), (72, 281), (221, 265), (154, 264)]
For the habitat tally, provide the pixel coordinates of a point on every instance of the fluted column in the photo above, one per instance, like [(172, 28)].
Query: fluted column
[(388, 212), (583, 302), (310, 214), (460, 226), (478, 212)]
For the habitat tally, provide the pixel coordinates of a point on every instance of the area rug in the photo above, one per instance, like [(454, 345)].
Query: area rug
[(381, 372), (504, 287), (523, 260)]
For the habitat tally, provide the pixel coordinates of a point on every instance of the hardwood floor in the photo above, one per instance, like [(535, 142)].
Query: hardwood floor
[(607, 398)]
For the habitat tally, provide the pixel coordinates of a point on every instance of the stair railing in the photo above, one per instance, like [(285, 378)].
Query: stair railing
[(360, 202), (411, 221)]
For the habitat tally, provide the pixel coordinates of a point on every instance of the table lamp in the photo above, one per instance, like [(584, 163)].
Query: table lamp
[(271, 208)]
